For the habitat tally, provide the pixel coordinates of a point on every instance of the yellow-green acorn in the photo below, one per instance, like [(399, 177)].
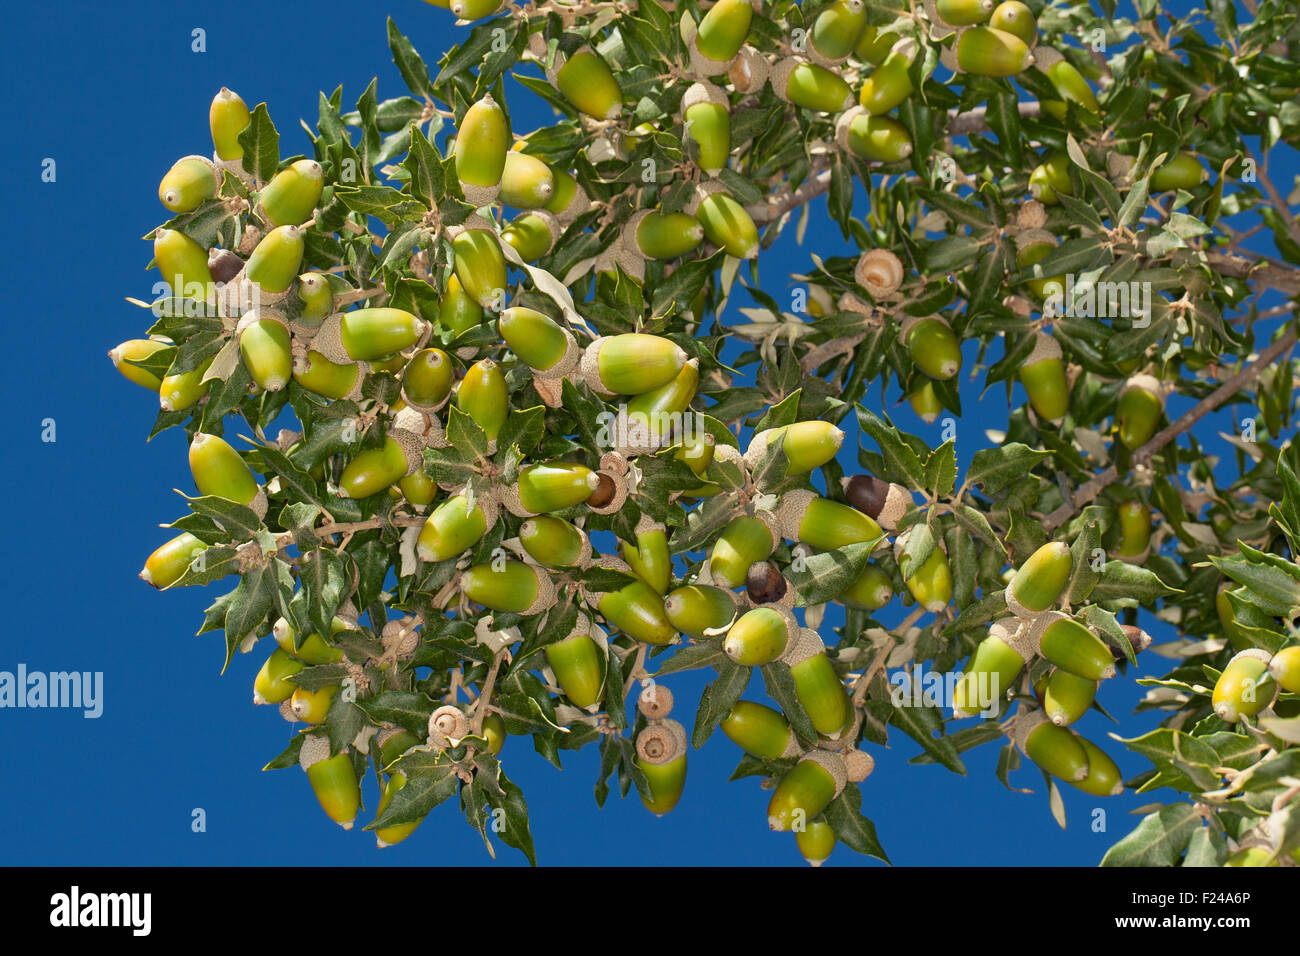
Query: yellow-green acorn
[(806, 445), (1103, 778), (390, 836), (744, 541), (569, 200), (578, 665), (817, 685), (457, 310), (723, 29), (961, 13), (1285, 668), (816, 842), (376, 469), (1067, 697), (874, 45), (138, 350), (1245, 687), (759, 730), (178, 392), (508, 586), (870, 591), (822, 523), (933, 347), (586, 82), (810, 86), (480, 266), (494, 730), (649, 558), (637, 610), (532, 234), (631, 363), (265, 348), (654, 415), (1072, 647), (183, 264), (1041, 579), (275, 262), (1252, 856), (334, 781), (881, 139), (1183, 171), (291, 196), (889, 84), (1072, 88), (315, 299), (925, 402), (931, 584), (228, 116), (372, 334), (219, 471), (526, 181), (313, 648), (555, 486), (471, 9), (759, 636), (168, 564), (1054, 749), (1034, 245), (1134, 529), (806, 791), (836, 30), (274, 684), (1138, 411), (1043, 375), (707, 116), (330, 379), (727, 225), (661, 755), (989, 675), (553, 542), (1050, 179), (188, 184), (453, 528), (538, 340), (483, 396), (697, 608), (312, 706), (482, 142), (1015, 18), (666, 235), (984, 51), (426, 380)]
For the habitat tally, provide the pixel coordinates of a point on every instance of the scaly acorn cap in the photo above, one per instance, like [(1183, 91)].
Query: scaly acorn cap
[(789, 512), (617, 499), (749, 71), (858, 764), (328, 340), (1018, 635), (1025, 725), (447, 725), (702, 91), (479, 196), (315, 748), (1148, 383), (833, 764), (879, 271), (427, 427), (655, 701), (624, 255), (1031, 215), (701, 65), (804, 643), (661, 742)]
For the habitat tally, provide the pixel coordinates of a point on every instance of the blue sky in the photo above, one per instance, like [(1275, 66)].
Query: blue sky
[(114, 94)]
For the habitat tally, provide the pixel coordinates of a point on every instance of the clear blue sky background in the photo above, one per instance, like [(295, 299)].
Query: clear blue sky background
[(113, 93)]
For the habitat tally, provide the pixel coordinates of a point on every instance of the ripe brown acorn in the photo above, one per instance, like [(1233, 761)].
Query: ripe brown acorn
[(765, 583)]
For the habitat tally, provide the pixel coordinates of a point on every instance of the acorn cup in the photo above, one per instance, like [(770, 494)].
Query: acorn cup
[(483, 396), (931, 344), (759, 730), (883, 501), (817, 685), (532, 234), (315, 299), (369, 335), (990, 673), (1043, 376), (1067, 697), (725, 222), (960, 13), (330, 379), (578, 665), (810, 86), (220, 472), (228, 116), (697, 608), (881, 139), (454, 527), (931, 584), (585, 81), (1055, 749), (183, 264), (482, 143), (480, 267), (265, 348), (168, 563), (889, 84), (1071, 86), (1183, 171), (744, 541), (275, 261), (706, 115), (835, 32), (376, 469), (807, 445), (822, 523), (879, 271), (649, 558), (870, 591), (274, 682), (554, 486), (1134, 531), (427, 378), (190, 183), (553, 542), (816, 842), (526, 181), (138, 350), (291, 196), (509, 585), (1015, 18), (665, 235), (661, 756), (760, 636), (807, 790), (1138, 411), (333, 780), (984, 51), (1285, 668), (1245, 687), (1039, 582), (1071, 646), (631, 364), (1050, 180)]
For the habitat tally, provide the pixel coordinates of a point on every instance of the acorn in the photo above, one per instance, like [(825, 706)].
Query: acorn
[(183, 264), (749, 71), (390, 836), (759, 636), (1067, 697), (1134, 529), (806, 791), (649, 558), (822, 523), (1055, 749), (1245, 687), (578, 665), (330, 379), (471, 9), (931, 344), (727, 225), (1034, 245), (312, 706), (722, 30), (889, 84), (882, 501), (760, 730), (606, 493), (228, 116), (190, 183), (807, 445), (925, 402), (514, 587), (587, 83), (931, 584), (483, 396), (291, 196), (482, 143), (138, 350), (274, 684), (744, 541), (1103, 778), (219, 471), (418, 488), (1071, 646), (874, 45), (480, 266), (1043, 376), (1050, 179), (816, 841), (764, 583), (1138, 411), (666, 235), (637, 610), (984, 51), (457, 310), (569, 200), (1285, 668), (881, 139), (532, 234), (454, 527), (1072, 88), (817, 685), (334, 781), (661, 756), (313, 648), (653, 416), (1041, 579), (1252, 856), (706, 113), (870, 591), (526, 181), (989, 675), (168, 563), (879, 271), (631, 363), (539, 341), (494, 729), (375, 469), (315, 299), (1016, 18), (1183, 171), (555, 486), (265, 348), (960, 13), (426, 379), (697, 608), (810, 86), (368, 335), (835, 32), (553, 542), (275, 261)]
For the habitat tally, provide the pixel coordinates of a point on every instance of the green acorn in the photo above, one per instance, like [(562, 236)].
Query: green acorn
[(1245, 687), (568, 200), (637, 610), (327, 378), (810, 86), (759, 730), (313, 648), (706, 113), (759, 636), (818, 686), (697, 452), (822, 523), (312, 706), (1050, 179), (426, 380), (726, 224), (632, 363), (1072, 88), (990, 674), (1015, 18), (274, 684), (494, 729), (1034, 245), (1072, 647), (1134, 529), (228, 116), (555, 486), (697, 608), (579, 666), (553, 542), (806, 791), (587, 83), (1103, 779), (390, 836), (1043, 375), (275, 262), (1252, 856), (1041, 579), (334, 781), (138, 350), (418, 488), (315, 299), (526, 181), (723, 29), (482, 142), (744, 541), (483, 396), (376, 469), (264, 347), (178, 392), (1138, 411), (1285, 668), (219, 471), (654, 415), (881, 139), (531, 234), (816, 841), (480, 266), (1054, 749), (661, 756), (809, 445), (457, 310), (649, 558), (874, 45), (471, 9), (870, 591), (1067, 697), (168, 564), (933, 347), (984, 51), (667, 235), (931, 584), (188, 184), (1183, 171), (836, 30), (291, 196), (372, 334), (453, 528), (960, 13), (183, 264), (538, 340), (889, 84), (507, 586), (925, 402)]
